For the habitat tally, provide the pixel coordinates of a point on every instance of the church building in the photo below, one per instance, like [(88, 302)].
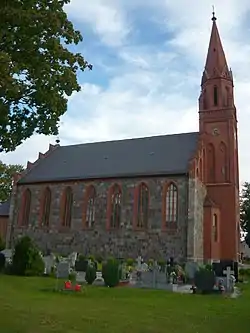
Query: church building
[(158, 197)]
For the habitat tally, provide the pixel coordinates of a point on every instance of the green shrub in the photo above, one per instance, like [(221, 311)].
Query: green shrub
[(151, 262), (162, 264), (2, 261), (244, 272), (204, 280), (2, 244), (27, 259), (99, 259), (111, 272), (130, 262), (90, 273)]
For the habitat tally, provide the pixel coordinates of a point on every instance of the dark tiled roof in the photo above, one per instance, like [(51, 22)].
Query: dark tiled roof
[(165, 154), (4, 208)]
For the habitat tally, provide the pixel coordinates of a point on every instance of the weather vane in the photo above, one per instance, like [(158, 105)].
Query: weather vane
[(213, 18)]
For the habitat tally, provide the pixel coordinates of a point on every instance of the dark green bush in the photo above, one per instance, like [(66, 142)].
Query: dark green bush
[(204, 280), (27, 259), (90, 273), (111, 272), (2, 261), (244, 272)]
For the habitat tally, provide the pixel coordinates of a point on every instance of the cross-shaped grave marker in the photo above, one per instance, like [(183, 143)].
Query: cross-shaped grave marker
[(228, 273)]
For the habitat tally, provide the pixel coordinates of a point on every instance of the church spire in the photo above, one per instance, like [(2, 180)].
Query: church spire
[(216, 64)]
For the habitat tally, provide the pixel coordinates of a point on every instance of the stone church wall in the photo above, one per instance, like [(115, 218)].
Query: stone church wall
[(124, 242), (197, 193)]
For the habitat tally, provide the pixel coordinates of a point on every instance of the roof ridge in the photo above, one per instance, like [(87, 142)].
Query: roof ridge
[(130, 139)]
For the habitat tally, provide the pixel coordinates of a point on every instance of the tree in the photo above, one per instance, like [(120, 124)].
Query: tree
[(245, 211), (7, 172), (37, 71)]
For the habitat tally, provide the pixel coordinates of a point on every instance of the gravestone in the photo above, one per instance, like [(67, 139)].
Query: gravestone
[(191, 268), (49, 262), (63, 270), (228, 272), (8, 255), (72, 259), (80, 277)]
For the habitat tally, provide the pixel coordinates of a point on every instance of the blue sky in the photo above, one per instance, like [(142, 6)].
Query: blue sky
[(148, 58)]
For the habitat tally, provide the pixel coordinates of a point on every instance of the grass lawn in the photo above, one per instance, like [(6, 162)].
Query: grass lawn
[(28, 306)]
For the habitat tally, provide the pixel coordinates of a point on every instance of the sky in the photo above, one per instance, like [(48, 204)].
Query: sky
[(148, 58)]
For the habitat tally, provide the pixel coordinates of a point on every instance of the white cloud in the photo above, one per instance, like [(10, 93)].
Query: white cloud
[(104, 17), (152, 93)]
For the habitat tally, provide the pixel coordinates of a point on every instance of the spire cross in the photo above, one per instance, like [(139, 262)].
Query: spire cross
[(213, 17)]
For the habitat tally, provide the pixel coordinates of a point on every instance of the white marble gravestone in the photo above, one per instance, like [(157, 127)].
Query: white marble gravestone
[(49, 262)]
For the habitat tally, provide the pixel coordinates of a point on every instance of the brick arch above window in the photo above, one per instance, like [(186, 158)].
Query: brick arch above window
[(114, 206), (141, 206), (24, 212), (45, 207), (89, 207), (170, 205), (66, 207)]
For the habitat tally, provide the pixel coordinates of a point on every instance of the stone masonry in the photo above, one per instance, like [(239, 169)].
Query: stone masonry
[(125, 242)]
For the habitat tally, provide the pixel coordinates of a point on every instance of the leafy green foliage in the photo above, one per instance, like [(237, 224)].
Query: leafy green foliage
[(2, 261), (204, 280), (90, 273), (7, 172), (27, 259), (245, 211), (111, 272), (37, 71)]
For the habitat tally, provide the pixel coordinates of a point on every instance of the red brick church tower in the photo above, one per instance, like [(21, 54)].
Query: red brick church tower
[(218, 129)]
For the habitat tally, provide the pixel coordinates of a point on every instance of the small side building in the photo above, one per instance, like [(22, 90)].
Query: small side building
[(4, 219)]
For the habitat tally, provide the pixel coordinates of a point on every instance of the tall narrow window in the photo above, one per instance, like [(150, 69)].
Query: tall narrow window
[(90, 208), (211, 163), (215, 228), (204, 99), (171, 204), (224, 165), (26, 208), (115, 201), (46, 207), (67, 207), (215, 95), (227, 96), (142, 206)]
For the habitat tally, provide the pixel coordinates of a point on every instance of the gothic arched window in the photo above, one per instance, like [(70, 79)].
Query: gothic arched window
[(224, 166), (215, 95), (90, 207), (67, 207), (46, 203), (115, 206), (211, 163), (142, 206), (171, 204), (25, 209), (215, 228)]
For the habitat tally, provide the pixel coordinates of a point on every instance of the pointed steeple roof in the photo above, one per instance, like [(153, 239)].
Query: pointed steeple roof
[(216, 64)]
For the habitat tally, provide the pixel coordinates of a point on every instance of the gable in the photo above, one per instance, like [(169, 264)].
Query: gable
[(157, 155)]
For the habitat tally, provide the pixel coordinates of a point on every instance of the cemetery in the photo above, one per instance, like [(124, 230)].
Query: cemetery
[(102, 291)]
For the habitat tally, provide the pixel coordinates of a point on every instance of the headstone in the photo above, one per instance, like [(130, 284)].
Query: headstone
[(191, 268), (8, 255), (139, 264), (228, 272), (49, 262), (63, 270), (72, 259), (99, 281), (80, 277)]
